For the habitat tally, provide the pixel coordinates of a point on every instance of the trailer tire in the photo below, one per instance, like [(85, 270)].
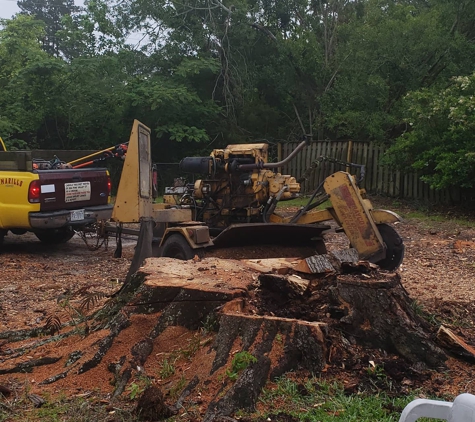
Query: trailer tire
[(394, 248), (55, 236), (176, 246)]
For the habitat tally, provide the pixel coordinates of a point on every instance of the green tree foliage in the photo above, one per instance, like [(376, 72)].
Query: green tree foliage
[(22, 64), (51, 12), (90, 101), (440, 138), (202, 72), (389, 49), (343, 65)]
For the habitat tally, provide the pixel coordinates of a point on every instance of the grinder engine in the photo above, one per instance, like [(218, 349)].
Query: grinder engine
[(239, 186)]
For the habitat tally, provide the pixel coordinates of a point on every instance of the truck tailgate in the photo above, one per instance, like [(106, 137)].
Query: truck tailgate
[(73, 188)]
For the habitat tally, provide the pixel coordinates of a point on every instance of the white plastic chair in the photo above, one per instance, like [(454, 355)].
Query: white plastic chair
[(461, 410)]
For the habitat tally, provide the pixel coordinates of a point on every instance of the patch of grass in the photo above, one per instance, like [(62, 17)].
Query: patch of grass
[(210, 324), (448, 316), (420, 311), (241, 360), (137, 387), (194, 345), (327, 402), (52, 411), (167, 369), (434, 219), (64, 410), (376, 371), (427, 214), (176, 390)]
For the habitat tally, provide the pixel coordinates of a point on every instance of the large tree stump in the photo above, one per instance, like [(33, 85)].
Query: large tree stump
[(377, 312), (282, 321)]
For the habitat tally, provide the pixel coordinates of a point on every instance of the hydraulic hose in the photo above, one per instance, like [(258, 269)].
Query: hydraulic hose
[(272, 204)]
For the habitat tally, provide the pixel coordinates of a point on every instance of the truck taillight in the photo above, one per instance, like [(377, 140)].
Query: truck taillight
[(109, 186), (34, 191)]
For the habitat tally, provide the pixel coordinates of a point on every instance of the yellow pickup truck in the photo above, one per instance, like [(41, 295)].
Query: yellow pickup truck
[(51, 203)]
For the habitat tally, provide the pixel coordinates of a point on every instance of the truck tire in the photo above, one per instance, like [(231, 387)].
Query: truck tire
[(176, 246), (55, 236), (3, 233)]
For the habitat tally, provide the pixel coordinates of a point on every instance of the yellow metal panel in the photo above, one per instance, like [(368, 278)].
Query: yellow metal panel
[(14, 205), (255, 150), (354, 216), (246, 148), (276, 218), (171, 199), (134, 197), (311, 217), (171, 215), (315, 217)]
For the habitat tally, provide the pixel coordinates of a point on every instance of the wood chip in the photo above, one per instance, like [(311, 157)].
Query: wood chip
[(315, 264), (450, 341), (37, 400)]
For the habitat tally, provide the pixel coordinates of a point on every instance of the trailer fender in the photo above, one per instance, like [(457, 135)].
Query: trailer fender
[(196, 236), (185, 242)]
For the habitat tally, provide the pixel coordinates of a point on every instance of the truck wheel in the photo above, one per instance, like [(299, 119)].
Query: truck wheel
[(176, 246), (55, 236), (394, 248), (3, 233)]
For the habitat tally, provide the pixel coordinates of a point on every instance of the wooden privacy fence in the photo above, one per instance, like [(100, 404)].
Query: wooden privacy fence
[(379, 179)]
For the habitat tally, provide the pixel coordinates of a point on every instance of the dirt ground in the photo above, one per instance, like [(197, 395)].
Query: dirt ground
[(36, 277), (438, 272)]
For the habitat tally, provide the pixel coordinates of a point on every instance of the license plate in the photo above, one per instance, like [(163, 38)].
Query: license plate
[(77, 215)]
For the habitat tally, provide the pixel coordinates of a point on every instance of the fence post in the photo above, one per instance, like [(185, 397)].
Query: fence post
[(279, 156), (349, 154)]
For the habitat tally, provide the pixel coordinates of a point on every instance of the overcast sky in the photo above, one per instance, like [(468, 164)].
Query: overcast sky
[(8, 8)]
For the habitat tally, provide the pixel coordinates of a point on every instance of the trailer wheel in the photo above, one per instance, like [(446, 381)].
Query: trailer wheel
[(55, 236), (176, 246), (394, 248)]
